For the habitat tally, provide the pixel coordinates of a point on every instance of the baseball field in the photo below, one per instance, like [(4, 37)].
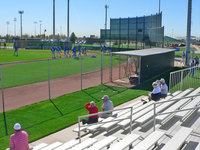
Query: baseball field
[(48, 116)]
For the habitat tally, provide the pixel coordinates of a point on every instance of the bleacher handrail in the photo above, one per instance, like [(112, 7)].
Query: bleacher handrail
[(179, 110), (99, 113)]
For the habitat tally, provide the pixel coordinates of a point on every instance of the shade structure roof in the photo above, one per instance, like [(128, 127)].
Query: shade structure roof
[(145, 52)]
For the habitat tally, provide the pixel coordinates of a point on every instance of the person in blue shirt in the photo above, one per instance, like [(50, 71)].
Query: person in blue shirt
[(58, 51), (79, 50), (104, 48), (65, 51), (101, 48), (74, 52), (53, 52), (192, 65), (109, 49), (16, 51)]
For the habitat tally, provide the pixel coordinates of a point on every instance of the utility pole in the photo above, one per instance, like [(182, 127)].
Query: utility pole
[(35, 27), (188, 32), (106, 13), (40, 26), (15, 19), (7, 22), (21, 12), (53, 20), (68, 21), (159, 7)]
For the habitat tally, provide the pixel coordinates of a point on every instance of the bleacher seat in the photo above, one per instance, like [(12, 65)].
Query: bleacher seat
[(125, 142), (40, 146), (68, 145), (52, 146), (85, 144), (177, 141), (103, 143), (198, 147), (149, 141)]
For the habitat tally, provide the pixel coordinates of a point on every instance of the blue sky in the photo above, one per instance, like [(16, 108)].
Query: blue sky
[(88, 16)]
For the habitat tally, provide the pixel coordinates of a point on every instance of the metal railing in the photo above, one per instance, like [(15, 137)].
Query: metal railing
[(178, 110), (114, 119), (184, 79)]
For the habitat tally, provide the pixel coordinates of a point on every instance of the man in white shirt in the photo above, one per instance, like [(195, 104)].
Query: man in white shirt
[(106, 106), (156, 93), (164, 88)]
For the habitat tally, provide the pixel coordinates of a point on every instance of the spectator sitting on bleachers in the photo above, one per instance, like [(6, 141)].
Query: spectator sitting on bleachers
[(106, 106), (156, 93), (92, 110), (164, 88), (19, 140)]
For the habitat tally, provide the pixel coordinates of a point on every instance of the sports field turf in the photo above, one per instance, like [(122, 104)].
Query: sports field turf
[(44, 118), (27, 73)]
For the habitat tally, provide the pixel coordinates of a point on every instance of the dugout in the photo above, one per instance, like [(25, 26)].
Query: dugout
[(141, 65)]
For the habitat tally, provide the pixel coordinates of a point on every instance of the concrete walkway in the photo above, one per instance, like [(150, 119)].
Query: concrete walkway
[(67, 134)]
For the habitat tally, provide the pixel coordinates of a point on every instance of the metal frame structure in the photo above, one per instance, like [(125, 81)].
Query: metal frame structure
[(179, 110)]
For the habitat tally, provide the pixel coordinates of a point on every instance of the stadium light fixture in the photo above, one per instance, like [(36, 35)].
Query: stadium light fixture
[(21, 12), (40, 26)]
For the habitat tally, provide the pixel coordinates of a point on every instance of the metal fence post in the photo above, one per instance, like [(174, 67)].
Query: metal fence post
[(101, 68), (181, 80), (170, 82), (2, 90), (81, 73), (79, 135), (49, 86), (110, 67), (154, 117)]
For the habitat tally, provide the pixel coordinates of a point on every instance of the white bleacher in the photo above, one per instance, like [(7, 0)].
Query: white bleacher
[(192, 104), (144, 111), (85, 144), (177, 141), (161, 107), (176, 106), (52, 146), (150, 141), (103, 143), (68, 145), (125, 142), (40, 146)]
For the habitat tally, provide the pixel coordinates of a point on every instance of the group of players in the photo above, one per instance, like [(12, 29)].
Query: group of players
[(58, 49)]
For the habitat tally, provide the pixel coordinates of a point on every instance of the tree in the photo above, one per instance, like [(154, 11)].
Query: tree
[(73, 37)]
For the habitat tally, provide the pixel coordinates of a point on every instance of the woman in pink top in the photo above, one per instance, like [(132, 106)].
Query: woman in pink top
[(19, 140)]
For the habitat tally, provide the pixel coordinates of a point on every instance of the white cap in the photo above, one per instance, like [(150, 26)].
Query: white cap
[(154, 84), (17, 126), (92, 103), (105, 97), (162, 80)]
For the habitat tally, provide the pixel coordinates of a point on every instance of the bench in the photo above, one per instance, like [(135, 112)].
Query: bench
[(177, 141), (125, 142), (149, 141), (103, 143), (141, 120), (175, 107), (40, 146), (52, 146), (85, 144), (68, 145)]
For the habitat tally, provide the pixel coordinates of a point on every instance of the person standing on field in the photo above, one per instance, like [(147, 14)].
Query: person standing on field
[(19, 140)]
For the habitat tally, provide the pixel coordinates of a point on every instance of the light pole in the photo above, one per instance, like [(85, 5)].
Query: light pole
[(40, 26), (7, 22), (53, 20), (188, 32), (21, 12), (106, 13), (15, 19), (68, 21), (35, 22), (159, 7)]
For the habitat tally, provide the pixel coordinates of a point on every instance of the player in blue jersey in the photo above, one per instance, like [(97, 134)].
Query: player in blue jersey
[(79, 50), (104, 48), (53, 52), (74, 52), (58, 49), (16, 51)]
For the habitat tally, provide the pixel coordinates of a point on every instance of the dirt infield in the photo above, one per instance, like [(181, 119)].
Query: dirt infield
[(19, 96)]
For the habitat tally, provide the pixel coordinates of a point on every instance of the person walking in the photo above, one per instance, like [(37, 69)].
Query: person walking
[(19, 140)]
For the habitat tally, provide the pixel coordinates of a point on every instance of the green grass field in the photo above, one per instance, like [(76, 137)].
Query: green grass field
[(27, 73), (44, 118)]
